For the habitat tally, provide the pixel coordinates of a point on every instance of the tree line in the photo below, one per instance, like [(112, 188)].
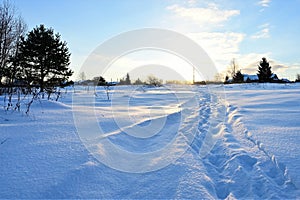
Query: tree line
[(100, 81)]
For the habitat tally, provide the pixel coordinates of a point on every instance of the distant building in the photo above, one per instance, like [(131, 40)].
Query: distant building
[(85, 83), (250, 78), (254, 79), (274, 77), (285, 80), (112, 83)]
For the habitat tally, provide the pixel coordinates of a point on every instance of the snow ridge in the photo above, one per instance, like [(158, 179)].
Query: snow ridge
[(238, 166)]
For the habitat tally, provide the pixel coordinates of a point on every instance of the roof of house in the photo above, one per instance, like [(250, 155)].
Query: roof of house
[(285, 80), (274, 77), (250, 77), (255, 77)]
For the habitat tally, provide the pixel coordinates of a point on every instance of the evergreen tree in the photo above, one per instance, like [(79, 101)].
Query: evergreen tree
[(44, 59), (138, 82), (127, 80), (122, 81), (238, 77), (226, 79), (102, 81), (298, 78), (264, 71), (99, 81)]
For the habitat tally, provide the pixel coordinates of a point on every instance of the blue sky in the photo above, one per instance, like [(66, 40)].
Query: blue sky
[(245, 30)]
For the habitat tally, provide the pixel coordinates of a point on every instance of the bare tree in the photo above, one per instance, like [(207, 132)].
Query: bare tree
[(233, 68), (12, 28), (81, 76), (154, 81), (218, 77), (14, 71)]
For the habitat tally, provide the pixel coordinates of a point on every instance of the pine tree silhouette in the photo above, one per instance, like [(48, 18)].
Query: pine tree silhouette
[(44, 58), (127, 80), (264, 71), (238, 77), (101, 81)]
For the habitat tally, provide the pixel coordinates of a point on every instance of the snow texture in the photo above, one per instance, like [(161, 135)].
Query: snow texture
[(244, 146)]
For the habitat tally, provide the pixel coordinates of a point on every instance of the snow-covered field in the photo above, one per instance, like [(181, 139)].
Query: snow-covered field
[(236, 141), (271, 113)]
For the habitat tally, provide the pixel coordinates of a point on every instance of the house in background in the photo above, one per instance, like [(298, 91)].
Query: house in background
[(275, 78), (254, 79), (250, 78)]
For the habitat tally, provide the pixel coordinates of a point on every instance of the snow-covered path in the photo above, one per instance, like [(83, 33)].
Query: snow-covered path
[(43, 157)]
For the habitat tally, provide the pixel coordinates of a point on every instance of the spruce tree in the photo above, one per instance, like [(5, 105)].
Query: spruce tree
[(238, 77), (127, 80), (298, 78), (44, 59), (264, 71), (99, 81)]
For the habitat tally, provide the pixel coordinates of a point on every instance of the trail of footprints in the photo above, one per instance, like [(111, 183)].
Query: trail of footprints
[(237, 164)]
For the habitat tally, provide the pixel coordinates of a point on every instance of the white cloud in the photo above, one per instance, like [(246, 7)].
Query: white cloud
[(143, 62), (192, 2), (210, 15), (199, 23), (287, 70), (264, 3), (249, 62), (263, 33), (221, 47)]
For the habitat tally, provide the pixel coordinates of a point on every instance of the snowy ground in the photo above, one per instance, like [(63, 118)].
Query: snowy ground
[(241, 146), (271, 113)]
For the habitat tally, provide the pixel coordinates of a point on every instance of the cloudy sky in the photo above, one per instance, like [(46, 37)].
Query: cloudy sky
[(246, 30)]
